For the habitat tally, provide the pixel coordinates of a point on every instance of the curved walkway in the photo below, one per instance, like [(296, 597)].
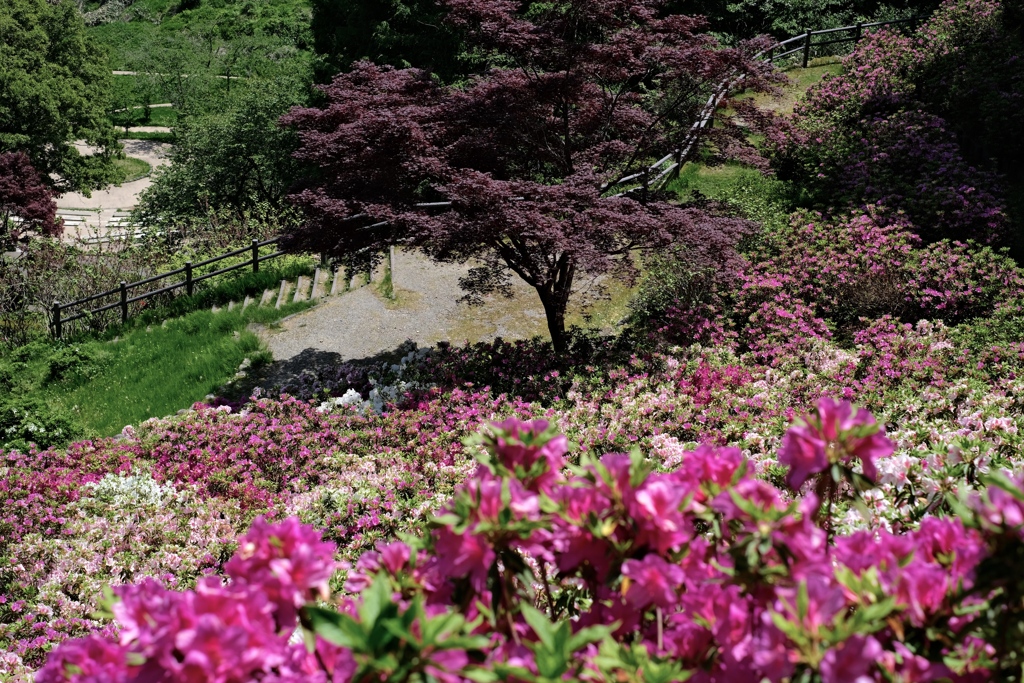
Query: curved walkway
[(89, 216)]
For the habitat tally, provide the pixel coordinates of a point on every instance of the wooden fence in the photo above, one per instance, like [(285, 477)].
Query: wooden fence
[(806, 42), (123, 292)]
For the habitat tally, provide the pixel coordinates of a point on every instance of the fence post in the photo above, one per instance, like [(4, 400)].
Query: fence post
[(57, 326), (807, 48), (188, 278), (913, 24), (858, 33), (255, 255), (124, 302)]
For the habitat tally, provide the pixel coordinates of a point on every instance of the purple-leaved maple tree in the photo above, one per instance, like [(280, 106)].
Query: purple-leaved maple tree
[(25, 197), (517, 161)]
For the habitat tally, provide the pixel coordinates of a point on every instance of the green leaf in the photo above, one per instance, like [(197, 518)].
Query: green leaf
[(591, 634), (1000, 480), (447, 519), (802, 600), (398, 630), (374, 599), (339, 629), (550, 664), (540, 625)]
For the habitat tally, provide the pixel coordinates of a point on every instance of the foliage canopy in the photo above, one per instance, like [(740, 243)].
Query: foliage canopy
[(25, 197), (517, 161), (54, 85)]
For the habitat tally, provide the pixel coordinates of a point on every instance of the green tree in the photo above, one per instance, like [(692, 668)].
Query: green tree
[(54, 90), (401, 33), (237, 160)]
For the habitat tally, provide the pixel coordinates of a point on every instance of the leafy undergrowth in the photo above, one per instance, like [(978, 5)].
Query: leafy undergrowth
[(97, 386)]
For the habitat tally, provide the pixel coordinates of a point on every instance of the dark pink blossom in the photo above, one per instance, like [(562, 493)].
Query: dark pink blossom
[(93, 659), (651, 581), (834, 434), (288, 559)]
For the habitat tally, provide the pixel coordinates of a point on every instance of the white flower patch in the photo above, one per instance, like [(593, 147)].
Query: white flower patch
[(129, 490), (389, 385)]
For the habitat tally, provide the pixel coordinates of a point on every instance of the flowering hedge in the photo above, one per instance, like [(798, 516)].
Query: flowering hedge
[(606, 571), (167, 498)]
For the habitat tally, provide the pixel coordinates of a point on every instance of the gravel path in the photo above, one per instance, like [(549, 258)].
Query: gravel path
[(361, 324)]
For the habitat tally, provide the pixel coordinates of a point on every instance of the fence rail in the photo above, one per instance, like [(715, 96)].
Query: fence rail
[(59, 311)]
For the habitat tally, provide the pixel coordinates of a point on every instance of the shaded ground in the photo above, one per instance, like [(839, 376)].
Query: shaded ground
[(365, 326), (363, 323), (800, 80)]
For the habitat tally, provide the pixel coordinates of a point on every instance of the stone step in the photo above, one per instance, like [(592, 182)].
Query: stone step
[(338, 282), (319, 288), (267, 298), (286, 288), (301, 289)]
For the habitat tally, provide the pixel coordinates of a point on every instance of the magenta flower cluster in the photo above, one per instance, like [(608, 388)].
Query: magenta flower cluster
[(539, 571)]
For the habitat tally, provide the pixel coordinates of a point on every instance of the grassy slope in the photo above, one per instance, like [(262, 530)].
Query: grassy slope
[(159, 23), (105, 384), (155, 372)]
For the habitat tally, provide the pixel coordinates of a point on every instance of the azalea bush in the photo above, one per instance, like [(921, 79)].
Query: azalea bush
[(610, 570), (880, 132)]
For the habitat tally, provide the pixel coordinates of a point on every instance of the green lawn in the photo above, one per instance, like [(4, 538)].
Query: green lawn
[(132, 169), (157, 372), (800, 81), (149, 369), (163, 116)]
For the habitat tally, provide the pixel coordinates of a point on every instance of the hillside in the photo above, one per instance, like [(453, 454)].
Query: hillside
[(773, 431)]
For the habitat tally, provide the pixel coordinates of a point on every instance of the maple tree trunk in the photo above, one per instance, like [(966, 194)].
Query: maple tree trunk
[(554, 310)]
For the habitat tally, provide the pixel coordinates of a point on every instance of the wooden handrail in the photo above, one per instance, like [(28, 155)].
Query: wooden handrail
[(58, 309)]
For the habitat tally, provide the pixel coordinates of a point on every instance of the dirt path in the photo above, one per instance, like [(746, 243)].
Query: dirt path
[(362, 323)]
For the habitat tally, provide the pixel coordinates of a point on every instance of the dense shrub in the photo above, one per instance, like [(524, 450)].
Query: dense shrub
[(26, 421), (876, 135), (825, 275)]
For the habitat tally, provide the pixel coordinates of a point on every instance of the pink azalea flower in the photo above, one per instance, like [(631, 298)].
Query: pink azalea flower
[(835, 427), (656, 511), (464, 554), (92, 659), (851, 661), (651, 581), (518, 446), (288, 560)]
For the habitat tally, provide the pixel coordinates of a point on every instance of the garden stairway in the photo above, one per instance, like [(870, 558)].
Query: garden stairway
[(325, 282)]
